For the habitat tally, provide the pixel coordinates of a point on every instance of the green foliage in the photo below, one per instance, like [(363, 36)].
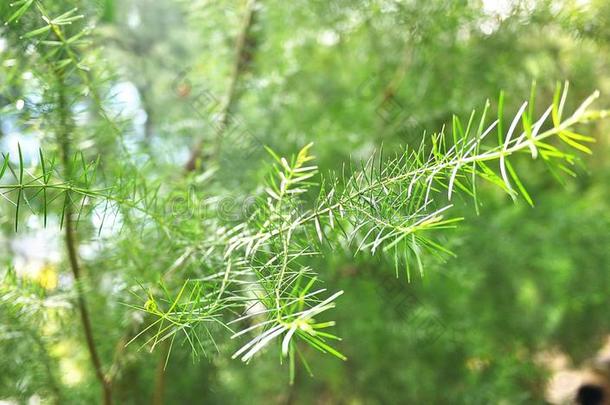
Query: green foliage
[(244, 252)]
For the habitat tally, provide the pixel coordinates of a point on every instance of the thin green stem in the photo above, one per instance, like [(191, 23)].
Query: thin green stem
[(64, 129)]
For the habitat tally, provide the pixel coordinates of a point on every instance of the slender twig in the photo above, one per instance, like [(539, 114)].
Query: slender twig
[(159, 393), (64, 128), (243, 55), (72, 244)]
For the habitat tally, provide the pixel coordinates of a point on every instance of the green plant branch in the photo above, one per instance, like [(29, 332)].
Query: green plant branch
[(499, 153), (243, 54), (445, 167), (64, 129), (390, 209)]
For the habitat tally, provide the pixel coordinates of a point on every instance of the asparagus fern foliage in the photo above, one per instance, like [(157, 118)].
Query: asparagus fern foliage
[(261, 288), (395, 206)]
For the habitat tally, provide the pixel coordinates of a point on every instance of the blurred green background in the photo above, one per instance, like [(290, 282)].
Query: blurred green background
[(349, 76)]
